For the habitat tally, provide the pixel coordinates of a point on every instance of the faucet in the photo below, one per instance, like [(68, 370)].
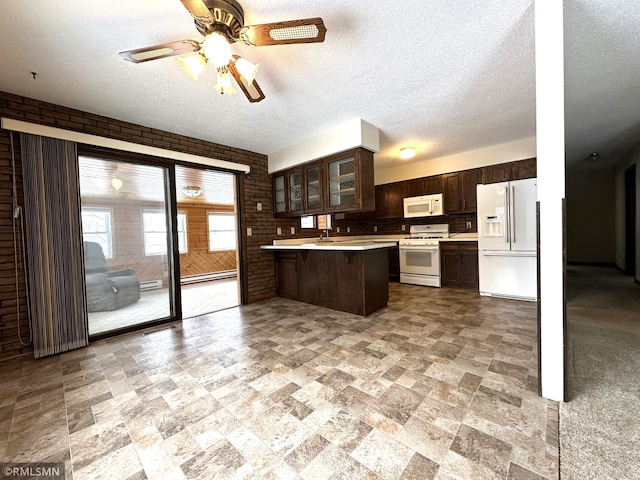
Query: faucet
[(324, 235)]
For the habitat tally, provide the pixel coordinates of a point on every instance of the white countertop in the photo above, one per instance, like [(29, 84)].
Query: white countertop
[(355, 242), (461, 237), (335, 246)]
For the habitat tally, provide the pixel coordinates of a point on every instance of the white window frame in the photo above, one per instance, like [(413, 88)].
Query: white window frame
[(210, 231), (109, 253), (183, 232), (145, 232)]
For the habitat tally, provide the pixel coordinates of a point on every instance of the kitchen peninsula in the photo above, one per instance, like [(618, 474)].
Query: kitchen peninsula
[(350, 276)]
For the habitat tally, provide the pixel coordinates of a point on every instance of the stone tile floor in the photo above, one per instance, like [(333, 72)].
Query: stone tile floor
[(439, 385)]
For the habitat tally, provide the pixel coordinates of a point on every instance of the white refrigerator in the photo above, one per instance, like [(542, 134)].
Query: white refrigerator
[(507, 239)]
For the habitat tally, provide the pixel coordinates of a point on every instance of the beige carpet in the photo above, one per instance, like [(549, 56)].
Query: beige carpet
[(600, 425)]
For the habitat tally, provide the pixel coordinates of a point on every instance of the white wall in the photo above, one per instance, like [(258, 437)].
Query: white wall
[(591, 202), (633, 157), (352, 134), (549, 41), (503, 153)]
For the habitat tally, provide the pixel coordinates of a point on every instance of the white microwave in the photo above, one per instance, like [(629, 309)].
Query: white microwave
[(423, 206)]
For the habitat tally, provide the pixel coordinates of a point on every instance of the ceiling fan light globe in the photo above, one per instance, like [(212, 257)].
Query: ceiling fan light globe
[(192, 64), (116, 183), (247, 69), (217, 49), (224, 84)]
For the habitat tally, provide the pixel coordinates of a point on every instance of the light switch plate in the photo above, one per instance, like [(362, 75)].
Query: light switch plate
[(337, 229), (348, 229), (249, 232), (259, 206), (404, 227), (293, 230), (279, 231), (375, 228)]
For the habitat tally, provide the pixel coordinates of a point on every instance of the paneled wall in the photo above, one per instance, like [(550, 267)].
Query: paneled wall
[(199, 260), (255, 187)]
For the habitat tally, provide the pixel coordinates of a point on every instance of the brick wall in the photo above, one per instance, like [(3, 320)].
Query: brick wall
[(259, 266), (388, 226)]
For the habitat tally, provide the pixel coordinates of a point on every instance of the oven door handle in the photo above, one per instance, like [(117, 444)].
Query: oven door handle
[(419, 247)]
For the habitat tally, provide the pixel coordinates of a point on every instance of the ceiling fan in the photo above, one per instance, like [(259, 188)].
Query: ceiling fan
[(222, 22)]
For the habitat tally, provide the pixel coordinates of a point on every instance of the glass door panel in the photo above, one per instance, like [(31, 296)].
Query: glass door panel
[(128, 246)]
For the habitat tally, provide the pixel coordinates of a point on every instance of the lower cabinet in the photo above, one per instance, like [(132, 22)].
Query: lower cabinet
[(459, 264), (286, 275), (394, 264), (354, 281)]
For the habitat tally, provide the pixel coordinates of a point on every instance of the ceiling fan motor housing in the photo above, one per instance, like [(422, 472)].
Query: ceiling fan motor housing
[(229, 19)]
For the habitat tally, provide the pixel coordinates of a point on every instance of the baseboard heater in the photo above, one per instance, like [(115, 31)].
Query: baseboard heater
[(150, 285), (207, 277)]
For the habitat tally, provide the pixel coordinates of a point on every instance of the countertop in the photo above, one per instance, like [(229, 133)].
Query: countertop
[(356, 242), (461, 237), (316, 244)]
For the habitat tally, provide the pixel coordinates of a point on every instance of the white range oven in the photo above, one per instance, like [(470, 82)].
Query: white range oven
[(420, 255)]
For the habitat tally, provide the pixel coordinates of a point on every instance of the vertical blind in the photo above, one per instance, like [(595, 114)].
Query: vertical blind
[(54, 244)]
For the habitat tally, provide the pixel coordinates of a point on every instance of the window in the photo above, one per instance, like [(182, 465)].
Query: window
[(308, 221), (154, 225), (96, 227), (182, 232), (316, 221), (222, 231)]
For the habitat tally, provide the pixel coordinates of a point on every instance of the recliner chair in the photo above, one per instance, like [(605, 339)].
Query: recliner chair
[(107, 291)]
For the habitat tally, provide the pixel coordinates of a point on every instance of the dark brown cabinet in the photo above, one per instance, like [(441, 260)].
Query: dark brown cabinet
[(389, 200), (339, 183), (422, 186), (504, 172), (497, 173), (286, 275), (460, 190), (524, 169), (394, 264), (459, 264), (349, 178)]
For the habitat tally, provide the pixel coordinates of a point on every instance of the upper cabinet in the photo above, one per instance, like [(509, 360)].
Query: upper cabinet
[(423, 186), (280, 194), (504, 172), (389, 200), (340, 183), (460, 190), (349, 181)]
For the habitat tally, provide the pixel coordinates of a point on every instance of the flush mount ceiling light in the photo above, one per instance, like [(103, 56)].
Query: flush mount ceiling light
[(221, 22), (407, 152), (192, 191)]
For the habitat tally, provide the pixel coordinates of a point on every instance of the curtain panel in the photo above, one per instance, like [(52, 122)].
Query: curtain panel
[(54, 244)]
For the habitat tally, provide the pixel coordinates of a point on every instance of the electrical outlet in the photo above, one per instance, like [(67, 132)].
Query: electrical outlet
[(337, 229), (348, 229), (404, 227), (293, 230), (249, 232), (259, 206), (279, 231), (375, 228), (468, 224)]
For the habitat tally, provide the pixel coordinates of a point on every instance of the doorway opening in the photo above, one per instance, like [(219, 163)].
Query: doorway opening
[(207, 240), (630, 220)]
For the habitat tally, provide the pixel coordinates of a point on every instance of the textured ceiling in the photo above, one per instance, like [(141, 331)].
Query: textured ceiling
[(444, 76)]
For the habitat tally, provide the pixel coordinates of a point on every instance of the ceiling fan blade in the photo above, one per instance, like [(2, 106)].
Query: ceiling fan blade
[(198, 10), (252, 91), (154, 52), (309, 30)]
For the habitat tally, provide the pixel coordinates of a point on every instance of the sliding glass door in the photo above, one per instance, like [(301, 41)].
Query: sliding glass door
[(128, 244)]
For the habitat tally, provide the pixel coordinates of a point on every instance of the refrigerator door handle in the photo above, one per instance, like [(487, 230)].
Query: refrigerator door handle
[(512, 219), (507, 214)]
